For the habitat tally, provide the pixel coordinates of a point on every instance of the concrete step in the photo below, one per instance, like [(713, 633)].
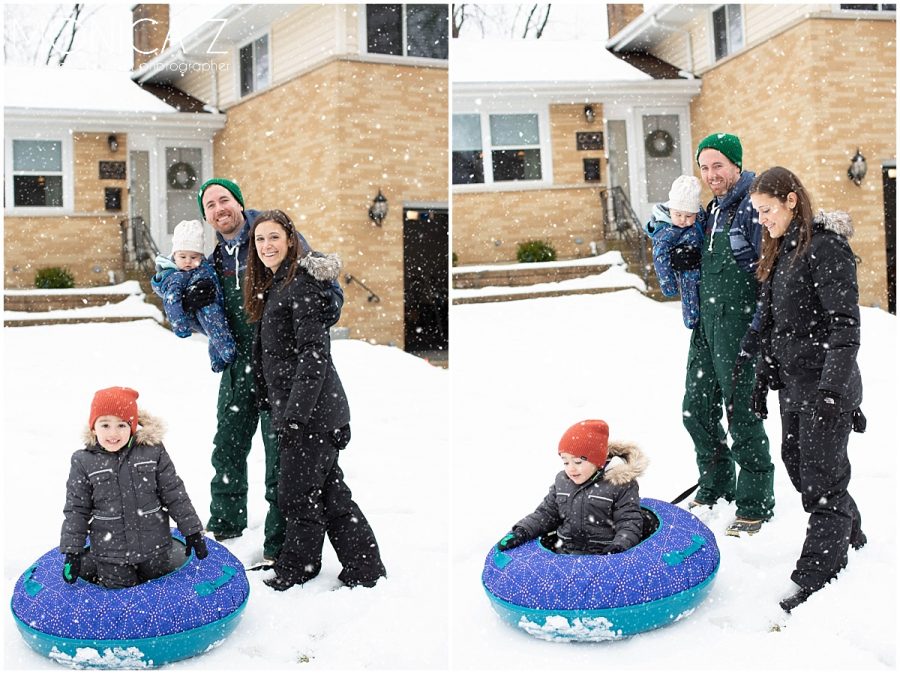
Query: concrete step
[(522, 275), (532, 295)]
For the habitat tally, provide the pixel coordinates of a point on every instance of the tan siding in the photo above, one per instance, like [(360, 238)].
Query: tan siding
[(323, 162), (302, 39), (200, 83), (798, 126), (489, 226), (78, 243), (565, 122)]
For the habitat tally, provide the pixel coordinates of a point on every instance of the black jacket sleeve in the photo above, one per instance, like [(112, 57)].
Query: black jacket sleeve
[(313, 347), (544, 519)]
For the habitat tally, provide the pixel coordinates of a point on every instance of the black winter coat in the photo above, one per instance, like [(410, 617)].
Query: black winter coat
[(590, 517), (810, 326), (295, 376), (123, 500)]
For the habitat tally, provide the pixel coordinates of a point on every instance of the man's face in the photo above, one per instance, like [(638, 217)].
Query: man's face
[(222, 211), (718, 171)]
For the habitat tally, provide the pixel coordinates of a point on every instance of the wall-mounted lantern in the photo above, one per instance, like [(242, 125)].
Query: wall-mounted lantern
[(113, 142), (858, 168), (379, 209), (589, 114)]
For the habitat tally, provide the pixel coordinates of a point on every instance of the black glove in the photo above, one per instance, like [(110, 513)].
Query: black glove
[(197, 543), (758, 398), (198, 295), (828, 408), (72, 567), (334, 302), (340, 437), (685, 258), (859, 421), (513, 539), (769, 368), (749, 347), (613, 548)]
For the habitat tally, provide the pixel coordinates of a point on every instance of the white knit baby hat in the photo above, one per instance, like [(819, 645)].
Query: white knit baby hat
[(684, 195), (188, 235)]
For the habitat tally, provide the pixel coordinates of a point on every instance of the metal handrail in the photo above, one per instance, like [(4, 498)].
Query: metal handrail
[(621, 222), (143, 248), (349, 278)]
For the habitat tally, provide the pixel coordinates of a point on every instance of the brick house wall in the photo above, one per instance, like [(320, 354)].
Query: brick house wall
[(488, 225), (321, 145), (796, 101), (88, 241)]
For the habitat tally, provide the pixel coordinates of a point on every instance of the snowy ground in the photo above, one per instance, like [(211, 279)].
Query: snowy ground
[(521, 373), (396, 465), (524, 371)]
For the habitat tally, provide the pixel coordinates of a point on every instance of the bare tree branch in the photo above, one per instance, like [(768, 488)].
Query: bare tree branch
[(540, 29), (528, 21), (70, 23)]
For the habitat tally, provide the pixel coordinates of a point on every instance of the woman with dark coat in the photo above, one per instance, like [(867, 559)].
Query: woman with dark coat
[(810, 337), (286, 293)]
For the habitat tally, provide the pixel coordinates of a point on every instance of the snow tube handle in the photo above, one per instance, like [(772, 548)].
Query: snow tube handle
[(501, 559), (207, 587), (676, 557), (32, 587)]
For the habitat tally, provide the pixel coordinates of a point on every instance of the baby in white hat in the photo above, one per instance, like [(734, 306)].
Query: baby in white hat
[(188, 273)]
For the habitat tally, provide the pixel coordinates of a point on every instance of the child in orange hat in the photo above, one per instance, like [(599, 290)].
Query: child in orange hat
[(121, 491), (593, 505)]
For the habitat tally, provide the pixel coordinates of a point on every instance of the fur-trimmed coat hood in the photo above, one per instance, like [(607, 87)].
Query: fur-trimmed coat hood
[(600, 515), (838, 222), (322, 266), (123, 500)]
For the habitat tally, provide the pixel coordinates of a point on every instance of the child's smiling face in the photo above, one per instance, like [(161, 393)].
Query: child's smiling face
[(579, 470), (112, 432)]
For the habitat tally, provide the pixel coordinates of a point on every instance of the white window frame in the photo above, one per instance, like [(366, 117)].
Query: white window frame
[(68, 174), (267, 33), (731, 49), (544, 145), (396, 58)]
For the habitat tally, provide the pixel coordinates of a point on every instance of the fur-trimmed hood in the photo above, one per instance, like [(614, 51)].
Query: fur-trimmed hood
[(838, 222), (631, 465), (321, 266), (150, 430)]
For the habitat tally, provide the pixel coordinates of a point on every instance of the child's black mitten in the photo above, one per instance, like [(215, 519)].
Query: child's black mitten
[(72, 567), (197, 543), (513, 539), (198, 295)]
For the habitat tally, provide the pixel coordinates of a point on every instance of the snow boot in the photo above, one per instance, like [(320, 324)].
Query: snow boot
[(742, 525), (791, 602)]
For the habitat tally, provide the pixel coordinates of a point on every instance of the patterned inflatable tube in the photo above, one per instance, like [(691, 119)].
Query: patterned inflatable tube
[(602, 597), (186, 612)]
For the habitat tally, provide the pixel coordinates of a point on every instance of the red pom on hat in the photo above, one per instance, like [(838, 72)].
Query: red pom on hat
[(588, 440), (118, 401)]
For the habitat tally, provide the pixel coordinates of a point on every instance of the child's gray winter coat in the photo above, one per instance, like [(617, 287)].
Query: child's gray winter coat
[(123, 500), (599, 514), (170, 283)]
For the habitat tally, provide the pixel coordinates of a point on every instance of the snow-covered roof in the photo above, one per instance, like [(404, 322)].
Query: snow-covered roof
[(538, 61), (60, 88)]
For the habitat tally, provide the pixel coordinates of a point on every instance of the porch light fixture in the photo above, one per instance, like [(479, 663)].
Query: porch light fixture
[(589, 115), (858, 168), (113, 142), (378, 210)]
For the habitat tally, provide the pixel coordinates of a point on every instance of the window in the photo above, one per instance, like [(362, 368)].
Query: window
[(468, 158), (515, 147), (37, 173), (728, 30), (513, 143), (407, 30), (254, 65)]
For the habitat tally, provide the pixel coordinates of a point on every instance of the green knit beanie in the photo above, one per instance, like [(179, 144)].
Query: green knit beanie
[(727, 144), (224, 182)]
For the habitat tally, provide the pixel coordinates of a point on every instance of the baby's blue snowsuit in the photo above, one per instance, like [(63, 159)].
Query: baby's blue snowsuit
[(667, 236), (169, 283)]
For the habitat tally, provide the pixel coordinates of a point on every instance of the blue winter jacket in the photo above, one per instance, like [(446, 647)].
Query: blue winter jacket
[(666, 237)]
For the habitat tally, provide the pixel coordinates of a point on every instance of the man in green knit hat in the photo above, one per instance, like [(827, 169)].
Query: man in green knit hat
[(719, 374), (222, 205)]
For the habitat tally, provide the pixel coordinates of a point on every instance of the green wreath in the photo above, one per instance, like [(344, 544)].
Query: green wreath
[(659, 143), (181, 176)]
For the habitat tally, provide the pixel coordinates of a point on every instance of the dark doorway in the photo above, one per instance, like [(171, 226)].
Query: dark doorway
[(426, 246), (889, 180)]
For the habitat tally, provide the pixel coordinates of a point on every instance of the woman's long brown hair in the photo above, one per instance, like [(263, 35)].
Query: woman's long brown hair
[(778, 182), (258, 277)]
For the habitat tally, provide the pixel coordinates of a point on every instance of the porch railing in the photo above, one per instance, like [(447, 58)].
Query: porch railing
[(139, 250), (621, 222)]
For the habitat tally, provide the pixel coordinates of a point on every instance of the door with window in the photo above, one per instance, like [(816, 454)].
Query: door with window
[(183, 175), (426, 246), (139, 206)]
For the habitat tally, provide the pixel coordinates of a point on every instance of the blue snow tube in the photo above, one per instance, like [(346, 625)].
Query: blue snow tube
[(183, 613), (601, 597)]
